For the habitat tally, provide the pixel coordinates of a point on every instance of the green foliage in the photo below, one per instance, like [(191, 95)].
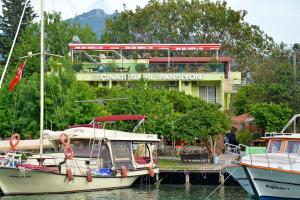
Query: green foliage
[(203, 122), (244, 98), (143, 101), (271, 83), (162, 107), (9, 21), (244, 138), (140, 67), (270, 117), (19, 110)]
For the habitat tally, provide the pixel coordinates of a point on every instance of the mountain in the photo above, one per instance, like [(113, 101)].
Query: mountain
[(94, 18)]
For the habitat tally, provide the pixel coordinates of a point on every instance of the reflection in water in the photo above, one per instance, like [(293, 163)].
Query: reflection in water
[(168, 192)]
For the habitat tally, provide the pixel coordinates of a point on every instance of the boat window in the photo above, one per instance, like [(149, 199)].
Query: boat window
[(105, 159), (154, 150), (292, 147), (274, 146), (83, 148), (141, 153), (121, 151)]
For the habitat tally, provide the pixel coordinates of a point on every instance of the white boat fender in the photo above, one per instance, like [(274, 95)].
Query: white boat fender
[(124, 172)]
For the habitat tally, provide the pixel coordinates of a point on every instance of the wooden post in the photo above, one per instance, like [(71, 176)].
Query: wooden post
[(157, 179), (221, 177), (187, 178)]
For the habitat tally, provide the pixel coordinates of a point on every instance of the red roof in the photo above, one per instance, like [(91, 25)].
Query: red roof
[(120, 118), (243, 118), (189, 59)]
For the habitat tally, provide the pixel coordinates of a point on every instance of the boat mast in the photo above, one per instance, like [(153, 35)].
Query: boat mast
[(42, 79)]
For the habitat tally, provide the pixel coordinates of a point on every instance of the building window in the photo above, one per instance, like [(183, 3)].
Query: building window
[(208, 93)]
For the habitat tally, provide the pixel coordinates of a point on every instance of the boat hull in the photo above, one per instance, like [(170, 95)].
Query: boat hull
[(270, 184), (238, 173), (12, 182)]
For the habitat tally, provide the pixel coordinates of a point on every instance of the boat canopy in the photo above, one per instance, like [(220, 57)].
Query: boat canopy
[(113, 118)]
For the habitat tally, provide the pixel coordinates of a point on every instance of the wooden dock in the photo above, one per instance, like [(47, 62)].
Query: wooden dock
[(176, 172)]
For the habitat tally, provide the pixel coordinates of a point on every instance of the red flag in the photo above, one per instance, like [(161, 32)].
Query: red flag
[(17, 77)]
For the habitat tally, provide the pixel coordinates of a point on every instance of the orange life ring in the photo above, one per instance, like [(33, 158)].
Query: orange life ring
[(89, 176), (151, 171), (64, 139), (69, 153), (124, 172), (14, 140), (69, 175)]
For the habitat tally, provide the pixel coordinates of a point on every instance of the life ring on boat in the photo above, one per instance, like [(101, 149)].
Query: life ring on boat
[(69, 174), (14, 140), (151, 171), (89, 177), (69, 153), (124, 172), (64, 139)]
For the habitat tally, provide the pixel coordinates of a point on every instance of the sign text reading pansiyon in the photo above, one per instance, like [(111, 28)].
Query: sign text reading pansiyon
[(131, 77)]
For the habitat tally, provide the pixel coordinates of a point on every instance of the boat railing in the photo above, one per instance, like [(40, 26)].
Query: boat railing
[(232, 149), (292, 120), (274, 161), (232, 153)]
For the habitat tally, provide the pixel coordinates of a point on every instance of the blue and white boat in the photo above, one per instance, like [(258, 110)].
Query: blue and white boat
[(276, 174)]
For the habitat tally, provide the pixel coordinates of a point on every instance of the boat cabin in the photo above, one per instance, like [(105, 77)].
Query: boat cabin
[(284, 144), (108, 150)]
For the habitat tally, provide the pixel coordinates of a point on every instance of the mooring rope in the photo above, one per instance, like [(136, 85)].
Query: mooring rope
[(206, 198)]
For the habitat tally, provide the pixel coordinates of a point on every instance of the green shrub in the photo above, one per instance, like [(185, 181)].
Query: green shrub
[(244, 137)]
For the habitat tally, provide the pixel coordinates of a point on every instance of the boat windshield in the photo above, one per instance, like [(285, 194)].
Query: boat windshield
[(292, 147), (274, 146)]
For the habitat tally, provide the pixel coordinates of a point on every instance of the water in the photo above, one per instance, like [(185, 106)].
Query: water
[(164, 192)]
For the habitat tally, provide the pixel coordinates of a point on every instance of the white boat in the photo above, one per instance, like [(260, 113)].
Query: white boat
[(233, 168), (103, 159), (276, 174)]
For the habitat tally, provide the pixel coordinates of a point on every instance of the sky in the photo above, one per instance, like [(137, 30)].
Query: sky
[(277, 18)]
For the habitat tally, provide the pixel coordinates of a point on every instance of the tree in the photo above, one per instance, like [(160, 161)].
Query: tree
[(270, 117), (58, 34), (205, 122), (142, 100), (19, 110), (271, 83), (11, 14), (182, 21)]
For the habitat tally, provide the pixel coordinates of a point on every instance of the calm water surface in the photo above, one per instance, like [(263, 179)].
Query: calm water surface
[(171, 192)]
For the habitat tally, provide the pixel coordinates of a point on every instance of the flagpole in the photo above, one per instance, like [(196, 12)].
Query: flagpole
[(42, 79), (13, 44)]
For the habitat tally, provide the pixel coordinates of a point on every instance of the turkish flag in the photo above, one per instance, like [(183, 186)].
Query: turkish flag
[(17, 77)]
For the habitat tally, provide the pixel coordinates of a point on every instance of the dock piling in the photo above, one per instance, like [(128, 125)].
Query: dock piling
[(187, 178)]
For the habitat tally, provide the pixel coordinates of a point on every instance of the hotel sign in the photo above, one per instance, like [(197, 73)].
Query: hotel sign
[(139, 76)]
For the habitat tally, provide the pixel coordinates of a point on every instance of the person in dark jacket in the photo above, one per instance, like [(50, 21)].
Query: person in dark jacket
[(232, 137)]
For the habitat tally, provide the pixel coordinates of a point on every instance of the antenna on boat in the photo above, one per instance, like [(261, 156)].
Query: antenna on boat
[(42, 79)]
